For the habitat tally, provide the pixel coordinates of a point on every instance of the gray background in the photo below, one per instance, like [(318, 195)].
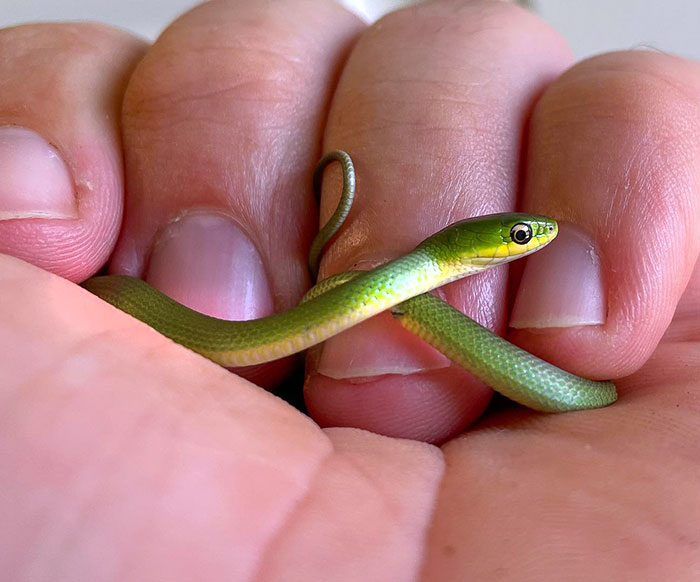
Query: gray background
[(591, 26)]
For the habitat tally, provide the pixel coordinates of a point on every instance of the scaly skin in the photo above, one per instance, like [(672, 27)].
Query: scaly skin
[(462, 249), (506, 368)]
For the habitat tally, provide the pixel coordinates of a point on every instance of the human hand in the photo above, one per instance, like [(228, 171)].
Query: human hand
[(124, 456)]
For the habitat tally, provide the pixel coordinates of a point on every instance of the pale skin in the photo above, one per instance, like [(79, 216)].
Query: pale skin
[(126, 457)]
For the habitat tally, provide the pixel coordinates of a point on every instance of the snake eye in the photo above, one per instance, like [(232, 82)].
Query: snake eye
[(521, 233)]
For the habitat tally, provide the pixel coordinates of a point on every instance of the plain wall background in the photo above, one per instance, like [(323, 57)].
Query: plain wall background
[(591, 26)]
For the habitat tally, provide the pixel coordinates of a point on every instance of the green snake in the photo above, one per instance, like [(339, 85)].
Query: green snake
[(402, 286)]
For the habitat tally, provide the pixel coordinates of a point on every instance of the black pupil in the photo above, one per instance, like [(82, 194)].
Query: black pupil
[(521, 233)]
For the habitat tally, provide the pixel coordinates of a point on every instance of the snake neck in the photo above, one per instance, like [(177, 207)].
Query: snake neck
[(416, 272)]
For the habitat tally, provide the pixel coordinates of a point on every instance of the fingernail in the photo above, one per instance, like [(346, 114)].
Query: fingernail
[(562, 286), (377, 347), (35, 180), (205, 261)]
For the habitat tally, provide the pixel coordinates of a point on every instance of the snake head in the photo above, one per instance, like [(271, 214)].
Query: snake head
[(490, 240), (522, 234)]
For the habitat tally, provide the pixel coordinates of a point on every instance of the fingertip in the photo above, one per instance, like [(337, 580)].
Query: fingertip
[(230, 102), (614, 148), (435, 140), (60, 204)]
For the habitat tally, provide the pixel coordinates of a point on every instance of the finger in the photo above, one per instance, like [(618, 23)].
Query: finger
[(153, 461), (222, 123), (60, 154), (432, 105), (615, 151)]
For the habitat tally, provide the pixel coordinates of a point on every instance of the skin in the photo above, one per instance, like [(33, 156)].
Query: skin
[(124, 456)]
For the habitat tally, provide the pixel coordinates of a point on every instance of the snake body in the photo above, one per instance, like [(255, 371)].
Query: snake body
[(461, 249)]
